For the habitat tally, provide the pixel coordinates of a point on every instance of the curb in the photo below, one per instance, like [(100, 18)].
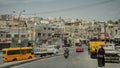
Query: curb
[(26, 61)]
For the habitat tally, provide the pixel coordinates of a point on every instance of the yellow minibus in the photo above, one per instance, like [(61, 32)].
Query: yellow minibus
[(18, 53)]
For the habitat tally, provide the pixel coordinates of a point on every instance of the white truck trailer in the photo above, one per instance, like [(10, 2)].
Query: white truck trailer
[(45, 50)]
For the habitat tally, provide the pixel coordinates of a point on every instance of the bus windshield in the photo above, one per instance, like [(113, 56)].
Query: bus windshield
[(4, 52)]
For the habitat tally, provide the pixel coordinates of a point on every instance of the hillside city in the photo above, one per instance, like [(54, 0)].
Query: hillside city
[(43, 34), (45, 29)]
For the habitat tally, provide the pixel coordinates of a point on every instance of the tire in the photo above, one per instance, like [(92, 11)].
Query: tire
[(14, 59), (29, 57)]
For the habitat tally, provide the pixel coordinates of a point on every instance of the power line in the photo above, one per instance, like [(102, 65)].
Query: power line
[(73, 8)]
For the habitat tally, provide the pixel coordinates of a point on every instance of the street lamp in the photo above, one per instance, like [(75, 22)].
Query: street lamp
[(19, 23), (35, 30), (13, 16)]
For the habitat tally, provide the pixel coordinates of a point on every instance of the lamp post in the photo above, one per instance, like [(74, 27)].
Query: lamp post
[(35, 30), (13, 16), (19, 23)]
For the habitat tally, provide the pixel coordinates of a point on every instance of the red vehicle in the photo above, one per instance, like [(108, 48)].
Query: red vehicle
[(104, 36), (79, 49)]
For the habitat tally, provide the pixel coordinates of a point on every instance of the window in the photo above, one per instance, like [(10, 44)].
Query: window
[(26, 51), (28, 35), (29, 51), (44, 28), (16, 35), (1, 35), (8, 35), (43, 34), (76, 31), (11, 52), (49, 34), (52, 28), (48, 28), (23, 36), (4, 52), (39, 34)]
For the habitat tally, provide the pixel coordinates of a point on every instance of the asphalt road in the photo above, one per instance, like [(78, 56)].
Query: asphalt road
[(75, 60)]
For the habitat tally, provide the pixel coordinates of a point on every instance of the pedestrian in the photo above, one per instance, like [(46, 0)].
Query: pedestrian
[(101, 56)]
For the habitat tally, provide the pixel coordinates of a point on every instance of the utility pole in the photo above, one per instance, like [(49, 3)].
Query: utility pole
[(105, 33)]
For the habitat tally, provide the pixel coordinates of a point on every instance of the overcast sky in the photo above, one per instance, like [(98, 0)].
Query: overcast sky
[(100, 10)]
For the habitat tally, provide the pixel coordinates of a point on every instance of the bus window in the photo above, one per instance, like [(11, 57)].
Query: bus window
[(26, 51), (29, 51), (12, 52)]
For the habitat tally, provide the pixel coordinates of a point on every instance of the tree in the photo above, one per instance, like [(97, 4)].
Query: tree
[(110, 21), (116, 22)]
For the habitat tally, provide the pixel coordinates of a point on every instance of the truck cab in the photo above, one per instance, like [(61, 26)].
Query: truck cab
[(94, 43)]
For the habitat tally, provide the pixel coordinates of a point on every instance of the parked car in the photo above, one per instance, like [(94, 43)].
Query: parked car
[(79, 49)]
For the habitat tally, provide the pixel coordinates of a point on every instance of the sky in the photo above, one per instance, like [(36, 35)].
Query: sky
[(99, 10)]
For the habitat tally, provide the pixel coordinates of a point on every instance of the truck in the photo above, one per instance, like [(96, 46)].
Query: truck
[(111, 54), (118, 49), (45, 50), (116, 39), (104, 36), (95, 41), (93, 46)]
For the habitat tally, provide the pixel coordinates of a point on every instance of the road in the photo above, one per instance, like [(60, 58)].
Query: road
[(75, 60)]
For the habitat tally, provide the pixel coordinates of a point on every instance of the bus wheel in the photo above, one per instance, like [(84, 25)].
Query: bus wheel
[(14, 59), (30, 57)]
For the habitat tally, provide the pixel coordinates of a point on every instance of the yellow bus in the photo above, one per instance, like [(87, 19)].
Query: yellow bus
[(14, 54)]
